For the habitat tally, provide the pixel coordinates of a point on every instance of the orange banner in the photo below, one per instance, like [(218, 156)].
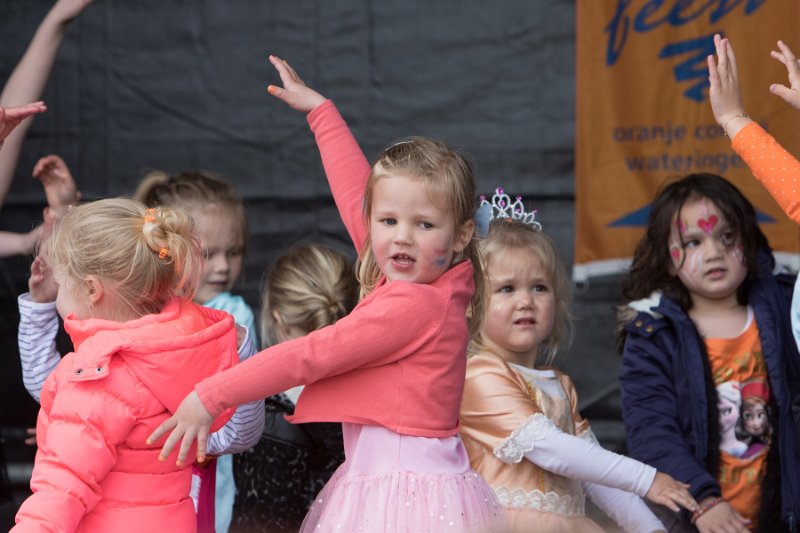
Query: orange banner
[(643, 115)]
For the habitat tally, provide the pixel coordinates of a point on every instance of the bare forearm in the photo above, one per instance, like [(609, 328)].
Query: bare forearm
[(16, 243), (26, 84)]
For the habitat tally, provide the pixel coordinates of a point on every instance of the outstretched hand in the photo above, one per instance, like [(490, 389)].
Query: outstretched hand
[(791, 95), (294, 92), (670, 493), (725, 94), (10, 117), (191, 421), (59, 186)]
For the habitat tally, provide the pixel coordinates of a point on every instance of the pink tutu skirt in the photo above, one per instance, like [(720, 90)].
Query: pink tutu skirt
[(392, 482)]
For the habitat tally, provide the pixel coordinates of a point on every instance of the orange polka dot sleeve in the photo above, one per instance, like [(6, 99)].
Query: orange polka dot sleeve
[(772, 165)]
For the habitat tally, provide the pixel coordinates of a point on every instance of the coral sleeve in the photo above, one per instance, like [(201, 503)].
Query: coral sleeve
[(367, 337), (772, 165), (345, 166)]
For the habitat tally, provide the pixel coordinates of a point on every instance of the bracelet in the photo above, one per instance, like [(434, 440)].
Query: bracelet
[(704, 508), (724, 125)]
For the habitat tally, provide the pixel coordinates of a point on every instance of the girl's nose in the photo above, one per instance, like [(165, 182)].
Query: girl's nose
[(221, 263), (403, 234), (715, 249), (525, 300)]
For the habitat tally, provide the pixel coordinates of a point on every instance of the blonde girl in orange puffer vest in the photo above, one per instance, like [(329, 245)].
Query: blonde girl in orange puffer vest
[(126, 276)]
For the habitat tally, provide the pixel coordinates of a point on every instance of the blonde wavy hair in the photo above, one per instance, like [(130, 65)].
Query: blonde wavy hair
[(142, 262), (310, 286), (193, 191), (447, 175), (509, 234)]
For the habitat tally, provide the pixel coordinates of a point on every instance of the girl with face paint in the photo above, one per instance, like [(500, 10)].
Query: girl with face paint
[(702, 303)]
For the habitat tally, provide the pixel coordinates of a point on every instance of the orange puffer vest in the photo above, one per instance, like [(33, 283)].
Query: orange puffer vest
[(94, 471)]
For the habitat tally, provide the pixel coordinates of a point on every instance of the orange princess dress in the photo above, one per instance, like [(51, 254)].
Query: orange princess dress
[(524, 435)]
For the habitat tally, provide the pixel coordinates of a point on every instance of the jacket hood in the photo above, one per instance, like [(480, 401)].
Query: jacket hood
[(169, 352)]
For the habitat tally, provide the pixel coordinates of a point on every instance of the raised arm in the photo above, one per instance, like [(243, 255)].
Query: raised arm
[(770, 163), (28, 80), (345, 166), (58, 183), (724, 93), (791, 95)]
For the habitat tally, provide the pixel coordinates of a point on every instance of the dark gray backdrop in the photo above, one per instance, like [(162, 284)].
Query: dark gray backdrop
[(148, 84)]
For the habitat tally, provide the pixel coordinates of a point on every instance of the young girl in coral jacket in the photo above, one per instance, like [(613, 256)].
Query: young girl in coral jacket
[(392, 371)]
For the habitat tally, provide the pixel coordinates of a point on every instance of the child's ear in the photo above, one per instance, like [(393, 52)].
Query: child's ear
[(96, 290), (463, 236)]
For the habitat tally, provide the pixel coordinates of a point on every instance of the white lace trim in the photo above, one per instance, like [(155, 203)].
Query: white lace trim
[(536, 500), (522, 440)]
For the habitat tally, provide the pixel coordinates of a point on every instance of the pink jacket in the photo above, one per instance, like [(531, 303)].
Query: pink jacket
[(93, 470), (397, 360)]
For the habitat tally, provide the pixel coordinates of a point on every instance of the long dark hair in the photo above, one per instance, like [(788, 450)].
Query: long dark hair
[(650, 269)]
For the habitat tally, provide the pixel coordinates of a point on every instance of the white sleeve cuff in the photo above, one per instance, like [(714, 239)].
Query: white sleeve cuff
[(524, 438)]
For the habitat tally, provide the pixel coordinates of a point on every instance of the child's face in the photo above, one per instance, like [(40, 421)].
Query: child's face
[(215, 226), (728, 415), (522, 306), (413, 238), (72, 297), (754, 418), (708, 259)]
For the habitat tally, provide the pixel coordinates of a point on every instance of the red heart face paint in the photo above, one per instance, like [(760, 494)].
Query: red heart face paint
[(706, 255), (707, 225)]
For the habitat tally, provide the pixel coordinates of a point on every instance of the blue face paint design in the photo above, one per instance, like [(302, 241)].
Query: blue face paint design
[(441, 261)]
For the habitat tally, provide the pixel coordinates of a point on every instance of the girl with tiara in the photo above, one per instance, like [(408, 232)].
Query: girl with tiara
[(519, 419)]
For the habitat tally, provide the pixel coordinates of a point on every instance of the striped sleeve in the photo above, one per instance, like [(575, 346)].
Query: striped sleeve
[(36, 337), (244, 428)]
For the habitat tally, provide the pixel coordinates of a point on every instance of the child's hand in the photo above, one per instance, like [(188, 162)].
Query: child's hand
[(721, 517), (294, 92), (670, 493), (66, 10), (59, 186), (790, 95), (191, 421), (41, 285), (725, 94), (10, 117)]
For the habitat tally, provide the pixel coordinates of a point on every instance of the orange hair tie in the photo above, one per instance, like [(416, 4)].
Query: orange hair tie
[(164, 252), (150, 215)]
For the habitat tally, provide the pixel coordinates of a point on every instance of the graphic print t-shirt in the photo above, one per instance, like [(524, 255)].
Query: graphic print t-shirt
[(740, 375)]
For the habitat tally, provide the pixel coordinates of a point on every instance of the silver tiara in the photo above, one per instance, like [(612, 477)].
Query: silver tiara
[(501, 207)]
